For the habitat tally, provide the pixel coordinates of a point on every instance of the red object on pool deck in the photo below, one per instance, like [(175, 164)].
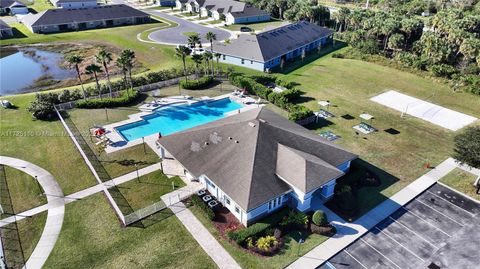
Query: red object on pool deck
[(100, 131)]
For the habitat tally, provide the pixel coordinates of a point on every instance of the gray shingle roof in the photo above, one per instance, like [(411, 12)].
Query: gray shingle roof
[(246, 171), (10, 3), (70, 1), (273, 43), (64, 15), (4, 25)]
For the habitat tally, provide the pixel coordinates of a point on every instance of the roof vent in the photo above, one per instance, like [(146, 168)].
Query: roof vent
[(236, 142), (262, 120), (230, 138), (206, 143), (251, 124)]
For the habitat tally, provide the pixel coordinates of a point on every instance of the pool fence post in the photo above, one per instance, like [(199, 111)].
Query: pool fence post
[(106, 113), (143, 142)]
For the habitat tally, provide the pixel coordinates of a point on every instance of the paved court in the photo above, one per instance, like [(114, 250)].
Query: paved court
[(435, 114), (440, 226)]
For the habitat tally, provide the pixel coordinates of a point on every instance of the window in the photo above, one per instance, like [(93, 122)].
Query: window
[(243, 61), (223, 56), (251, 62), (227, 200), (237, 209)]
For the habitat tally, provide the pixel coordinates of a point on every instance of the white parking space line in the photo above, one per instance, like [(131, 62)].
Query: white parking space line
[(361, 239), (440, 213), (470, 213), (423, 238), (407, 249), (345, 250), (410, 212)]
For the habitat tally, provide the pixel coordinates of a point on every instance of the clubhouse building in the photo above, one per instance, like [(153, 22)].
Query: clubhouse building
[(229, 10), (65, 19), (246, 162), (74, 3), (268, 49)]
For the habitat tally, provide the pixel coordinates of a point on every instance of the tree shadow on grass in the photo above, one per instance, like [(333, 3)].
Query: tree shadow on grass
[(130, 162), (153, 219), (367, 181), (321, 123)]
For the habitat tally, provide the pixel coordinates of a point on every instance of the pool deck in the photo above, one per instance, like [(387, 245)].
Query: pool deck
[(119, 143)]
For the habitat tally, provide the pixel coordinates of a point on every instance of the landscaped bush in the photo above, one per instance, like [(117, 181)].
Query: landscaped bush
[(126, 98), (42, 107), (206, 210), (294, 219), (442, 70), (299, 112), (344, 197), (195, 84), (319, 218), (266, 243), (258, 228)]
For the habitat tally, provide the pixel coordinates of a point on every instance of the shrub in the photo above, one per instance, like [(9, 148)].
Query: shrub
[(42, 107), (122, 100), (338, 55), (294, 219), (299, 112), (368, 47), (195, 84), (258, 228), (319, 218), (266, 243), (207, 211), (250, 243), (442, 70), (344, 197)]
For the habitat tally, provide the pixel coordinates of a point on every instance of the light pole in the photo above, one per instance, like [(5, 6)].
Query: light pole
[(300, 242), (136, 169)]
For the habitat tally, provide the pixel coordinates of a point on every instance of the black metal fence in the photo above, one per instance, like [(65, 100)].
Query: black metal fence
[(13, 256)]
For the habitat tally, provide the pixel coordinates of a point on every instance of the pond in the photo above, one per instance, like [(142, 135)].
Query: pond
[(25, 69)]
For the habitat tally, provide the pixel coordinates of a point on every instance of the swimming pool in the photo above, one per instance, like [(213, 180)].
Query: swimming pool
[(178, 118)]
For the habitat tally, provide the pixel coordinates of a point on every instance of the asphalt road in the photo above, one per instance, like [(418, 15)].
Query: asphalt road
[(439, 226), (174, 36)]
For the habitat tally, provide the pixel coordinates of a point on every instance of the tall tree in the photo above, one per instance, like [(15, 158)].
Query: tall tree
[(211, 36), (76, 60), (128, 57), (182, 52), (208, 57), (197, 59), (467, 149), (93, 69), (193, 40), (105, 57), (217, 57)]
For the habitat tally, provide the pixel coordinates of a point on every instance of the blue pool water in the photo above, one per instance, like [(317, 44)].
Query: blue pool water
[(178, 118)]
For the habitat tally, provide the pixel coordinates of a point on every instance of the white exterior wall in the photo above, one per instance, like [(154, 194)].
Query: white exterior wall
[(77, 4), (229, 19), (203, 12), (238, 61), (216, 15), (251, 19)]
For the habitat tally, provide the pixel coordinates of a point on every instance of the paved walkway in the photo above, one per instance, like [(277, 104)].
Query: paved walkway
[(347, 233), (56, 209)]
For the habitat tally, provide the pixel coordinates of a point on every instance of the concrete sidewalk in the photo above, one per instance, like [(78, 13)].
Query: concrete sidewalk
[(55, 205), (347, 232)]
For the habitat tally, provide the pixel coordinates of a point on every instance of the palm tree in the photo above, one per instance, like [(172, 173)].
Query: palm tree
[(93, 69), (207, 57), (104, 57), (182, 51), (211, 36), (217, 57), (197, 59), (75, 60), (193, 40), (122, 64), (129, 56)]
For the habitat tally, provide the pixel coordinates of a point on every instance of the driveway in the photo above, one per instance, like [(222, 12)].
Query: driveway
[(175, 36)]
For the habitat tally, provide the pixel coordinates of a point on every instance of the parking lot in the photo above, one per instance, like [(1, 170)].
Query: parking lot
[(438, 229)]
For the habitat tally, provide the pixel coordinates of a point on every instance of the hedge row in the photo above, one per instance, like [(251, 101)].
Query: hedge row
[(284, 99), (195, 84), (207, 211), (125, 98), (240, 236)]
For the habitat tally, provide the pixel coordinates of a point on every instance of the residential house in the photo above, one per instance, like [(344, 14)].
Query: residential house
[(63, 19), (257, 161), (269, 49), (5, 30), (73, 3), (231, 11), (12, 7)]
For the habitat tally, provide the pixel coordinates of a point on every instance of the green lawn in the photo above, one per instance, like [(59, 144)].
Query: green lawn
[(92, 237), (43, 143), (22, 183), (462, 181), (30, 230), (349, 84), (259, 26), (39, 5), (248, 260), (120, 162), (148, 189)]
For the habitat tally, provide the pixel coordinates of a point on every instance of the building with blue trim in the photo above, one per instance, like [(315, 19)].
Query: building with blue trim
[(267, 50), (245, 161)]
